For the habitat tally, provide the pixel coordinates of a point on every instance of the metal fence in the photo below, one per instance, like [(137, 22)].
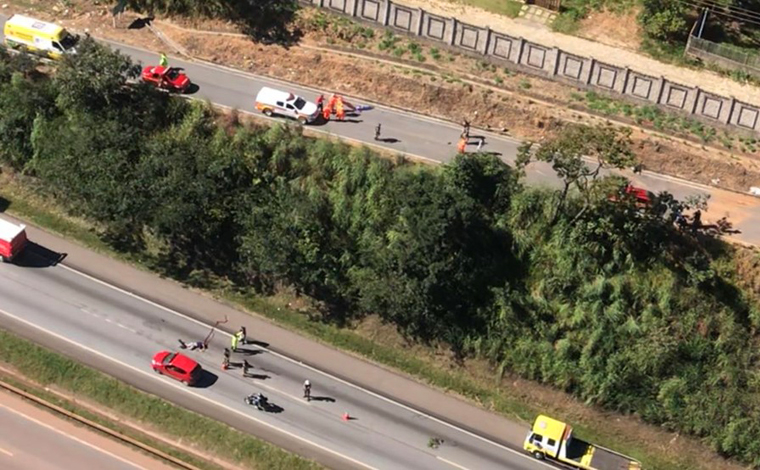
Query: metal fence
[(549, 62), (724, 55)]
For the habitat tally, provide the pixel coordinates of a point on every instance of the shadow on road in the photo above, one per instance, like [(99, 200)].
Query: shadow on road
[(37, 256), (256, 376), (207, 379), (388, 140), (324, 399), (192, 89), (261, 344), (248, 352), (270, 407)]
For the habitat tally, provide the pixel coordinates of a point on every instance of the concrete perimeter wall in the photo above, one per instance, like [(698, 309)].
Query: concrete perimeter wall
[(549, 62)]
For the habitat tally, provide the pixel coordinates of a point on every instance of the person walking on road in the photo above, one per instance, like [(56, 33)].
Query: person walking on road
[(320, 103), (480, 143), (235, 340), (246, 368), (466, 128), (242, 337), (307, 390), (378, 128), (164, 62)]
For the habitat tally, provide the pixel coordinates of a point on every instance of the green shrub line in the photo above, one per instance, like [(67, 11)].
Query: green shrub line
[(49, 368), (577, 288)]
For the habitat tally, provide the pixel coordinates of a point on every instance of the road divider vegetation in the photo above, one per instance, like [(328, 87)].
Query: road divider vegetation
[(207, 435), (583, 289)]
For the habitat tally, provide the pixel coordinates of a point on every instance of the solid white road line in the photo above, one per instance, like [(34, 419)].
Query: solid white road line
[(73, 438), (5, 452), (453, 464), (306, 366), (185, 390)]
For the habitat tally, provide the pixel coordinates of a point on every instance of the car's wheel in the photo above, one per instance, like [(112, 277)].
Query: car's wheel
[(268, 112), (302, 120), (186, 382), (538, 455), (158, 371)]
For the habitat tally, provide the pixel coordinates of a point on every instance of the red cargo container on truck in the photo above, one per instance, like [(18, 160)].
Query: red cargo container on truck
[(12, 240)]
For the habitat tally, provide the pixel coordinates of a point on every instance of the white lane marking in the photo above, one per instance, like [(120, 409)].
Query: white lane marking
[(306, 366), (73, 438), (185, 390), (3, 451), (453, 464)]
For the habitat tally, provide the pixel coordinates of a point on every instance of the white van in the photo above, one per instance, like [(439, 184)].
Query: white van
[(47, 39), (270, 102)]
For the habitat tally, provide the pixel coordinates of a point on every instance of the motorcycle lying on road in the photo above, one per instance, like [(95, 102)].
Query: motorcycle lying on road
[(258, 400)]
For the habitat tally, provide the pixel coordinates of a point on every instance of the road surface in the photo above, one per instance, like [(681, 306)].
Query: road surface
[(33, 439), (431, 139), (119, 333)]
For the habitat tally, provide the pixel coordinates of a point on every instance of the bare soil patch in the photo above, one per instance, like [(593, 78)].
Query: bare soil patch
[(614, 29)]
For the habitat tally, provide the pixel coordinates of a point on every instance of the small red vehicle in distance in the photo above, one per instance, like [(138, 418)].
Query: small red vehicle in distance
[(177, 366), (643, 197), (167, 78), (12, 240)]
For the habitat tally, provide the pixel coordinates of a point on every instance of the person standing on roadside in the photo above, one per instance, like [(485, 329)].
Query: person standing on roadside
[(164, 62), (234, 344), (377, 131), (466, 128), (462, 145)]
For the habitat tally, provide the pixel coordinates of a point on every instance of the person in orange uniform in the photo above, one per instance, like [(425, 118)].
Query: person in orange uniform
[(462, 145), (340, 112)]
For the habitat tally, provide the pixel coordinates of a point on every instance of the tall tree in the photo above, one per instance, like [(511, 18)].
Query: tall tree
[(605, 146)]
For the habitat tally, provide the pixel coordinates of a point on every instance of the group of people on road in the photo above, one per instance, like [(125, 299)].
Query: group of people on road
[(239, 338)]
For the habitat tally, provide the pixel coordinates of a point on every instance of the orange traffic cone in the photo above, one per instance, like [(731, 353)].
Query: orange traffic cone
[(346, 416)]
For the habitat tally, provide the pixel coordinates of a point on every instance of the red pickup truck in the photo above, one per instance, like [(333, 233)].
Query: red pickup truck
[(12, 240)]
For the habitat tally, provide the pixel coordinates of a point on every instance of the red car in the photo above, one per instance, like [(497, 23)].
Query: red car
[(168, 78), (642, 197), (177, 366)]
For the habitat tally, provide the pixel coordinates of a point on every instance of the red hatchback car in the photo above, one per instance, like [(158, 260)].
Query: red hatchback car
[(168, 78), (177, 366)]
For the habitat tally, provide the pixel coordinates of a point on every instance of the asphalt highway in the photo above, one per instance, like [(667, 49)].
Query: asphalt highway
[(120, 333)]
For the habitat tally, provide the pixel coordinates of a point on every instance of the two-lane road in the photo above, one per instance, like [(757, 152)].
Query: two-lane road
[(120, 333)]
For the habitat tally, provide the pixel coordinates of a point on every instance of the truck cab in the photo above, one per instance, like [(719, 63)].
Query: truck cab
[(12, 240), (553, 439)]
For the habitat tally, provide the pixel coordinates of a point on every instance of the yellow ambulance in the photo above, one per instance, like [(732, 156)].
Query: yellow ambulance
[(27, 34)]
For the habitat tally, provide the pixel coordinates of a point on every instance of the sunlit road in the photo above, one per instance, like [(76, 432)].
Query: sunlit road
[(33, 439)]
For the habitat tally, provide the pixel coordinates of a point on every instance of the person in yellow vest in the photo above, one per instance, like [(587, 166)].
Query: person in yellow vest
[(164, 62), (235, 340)]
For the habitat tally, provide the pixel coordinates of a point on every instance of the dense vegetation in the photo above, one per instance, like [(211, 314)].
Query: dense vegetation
[(265, 20), (601, 299)]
